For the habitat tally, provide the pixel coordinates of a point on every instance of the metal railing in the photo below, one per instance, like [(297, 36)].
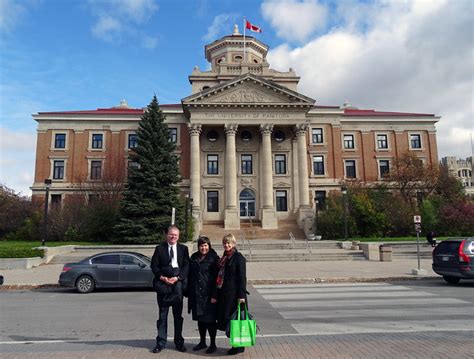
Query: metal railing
[(292, 240)]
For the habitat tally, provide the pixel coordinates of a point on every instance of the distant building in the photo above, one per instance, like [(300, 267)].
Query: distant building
[(250, 145), (462, 169)]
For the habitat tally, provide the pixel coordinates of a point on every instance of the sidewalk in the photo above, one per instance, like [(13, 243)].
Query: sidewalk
[(266, 272)]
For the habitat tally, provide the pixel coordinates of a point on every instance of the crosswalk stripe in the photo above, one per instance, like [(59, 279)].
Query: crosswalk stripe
[(320, 285), (348, 303), (381, 327), (346, 295), (384, 313), (332, 290)]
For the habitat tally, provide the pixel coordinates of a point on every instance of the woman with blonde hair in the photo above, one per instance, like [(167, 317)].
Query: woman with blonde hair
[(231, 284)]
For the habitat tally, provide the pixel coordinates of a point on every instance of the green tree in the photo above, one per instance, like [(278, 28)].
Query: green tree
[(151, 191)]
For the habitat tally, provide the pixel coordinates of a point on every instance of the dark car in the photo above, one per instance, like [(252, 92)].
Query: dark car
[(454, 259), (108, 270)]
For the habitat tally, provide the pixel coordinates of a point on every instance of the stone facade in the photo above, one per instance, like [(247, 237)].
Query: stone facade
[(463, 170), (250, 145)]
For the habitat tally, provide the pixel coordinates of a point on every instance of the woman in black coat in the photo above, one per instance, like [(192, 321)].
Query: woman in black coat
[(202, 292), (231, 285)]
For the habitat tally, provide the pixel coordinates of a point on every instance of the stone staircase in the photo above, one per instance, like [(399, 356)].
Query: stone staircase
[(252, 230)]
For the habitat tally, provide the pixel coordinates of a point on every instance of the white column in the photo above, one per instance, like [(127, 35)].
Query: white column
[(305, 212), (231, 220), (267, 211), (195, 173), (267, 173), (303, 181)]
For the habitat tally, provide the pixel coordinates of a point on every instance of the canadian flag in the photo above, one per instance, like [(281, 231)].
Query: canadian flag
[(251, 27)]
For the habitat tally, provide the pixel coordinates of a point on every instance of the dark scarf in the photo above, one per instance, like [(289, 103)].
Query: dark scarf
[(221, 264)]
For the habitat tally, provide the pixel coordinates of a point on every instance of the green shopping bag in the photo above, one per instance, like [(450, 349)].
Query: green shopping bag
[(242, 331)]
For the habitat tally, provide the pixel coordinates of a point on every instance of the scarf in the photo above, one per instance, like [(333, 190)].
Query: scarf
[(221, 264)]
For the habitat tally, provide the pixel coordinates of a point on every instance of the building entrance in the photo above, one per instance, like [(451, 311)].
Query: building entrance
[(247, 204)]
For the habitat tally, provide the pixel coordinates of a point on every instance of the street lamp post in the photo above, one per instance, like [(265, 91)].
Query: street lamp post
[(47, 183), (188, 201), (316, 204), (344, 203)]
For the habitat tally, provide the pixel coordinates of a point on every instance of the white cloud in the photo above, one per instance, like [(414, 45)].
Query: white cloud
[(106, 28), (17, 159), (220, 23), (401, 56), (121, 19), (293, 19), (11, 12)]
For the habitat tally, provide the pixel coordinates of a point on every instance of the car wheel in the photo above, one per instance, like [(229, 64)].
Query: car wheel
[(451, 280), (85, 284)]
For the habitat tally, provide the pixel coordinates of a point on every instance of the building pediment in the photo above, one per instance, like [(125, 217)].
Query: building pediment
[(248, 91)]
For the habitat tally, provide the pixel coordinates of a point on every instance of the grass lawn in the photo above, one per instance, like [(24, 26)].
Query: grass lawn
[(24, 249)]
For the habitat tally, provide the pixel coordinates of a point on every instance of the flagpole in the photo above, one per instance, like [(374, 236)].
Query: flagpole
[(245, 54)]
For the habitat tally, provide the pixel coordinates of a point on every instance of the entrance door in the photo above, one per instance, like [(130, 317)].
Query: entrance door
[(247, 204)]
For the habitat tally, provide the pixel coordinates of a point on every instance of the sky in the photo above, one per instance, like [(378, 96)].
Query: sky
[(61, 55)]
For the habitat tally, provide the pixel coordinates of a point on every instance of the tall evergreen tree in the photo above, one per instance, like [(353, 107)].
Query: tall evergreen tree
[(151, 191)]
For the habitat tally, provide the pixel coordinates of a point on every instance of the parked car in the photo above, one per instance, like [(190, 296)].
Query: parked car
[(108, 270), (454, 259), (1, 279)]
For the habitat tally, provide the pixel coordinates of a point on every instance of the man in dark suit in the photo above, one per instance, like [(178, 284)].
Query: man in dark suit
[(170, 264)]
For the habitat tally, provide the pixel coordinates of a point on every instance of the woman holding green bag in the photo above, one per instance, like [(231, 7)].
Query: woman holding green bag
[(231, 285)]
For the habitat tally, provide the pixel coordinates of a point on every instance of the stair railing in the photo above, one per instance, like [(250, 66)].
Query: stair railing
[(250, 249), (308, 249)]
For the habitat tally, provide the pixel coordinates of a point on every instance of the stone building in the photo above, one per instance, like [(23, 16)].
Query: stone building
[(462, 169), (250, 145)]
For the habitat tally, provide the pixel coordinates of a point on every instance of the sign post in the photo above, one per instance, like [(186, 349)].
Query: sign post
[(173, 215), (417, 220)]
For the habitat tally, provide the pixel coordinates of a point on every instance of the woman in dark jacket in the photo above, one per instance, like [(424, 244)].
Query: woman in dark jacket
[(231, 285), (202, 292)]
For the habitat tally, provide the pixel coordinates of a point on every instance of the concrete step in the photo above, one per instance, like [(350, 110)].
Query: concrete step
[(282, 257)]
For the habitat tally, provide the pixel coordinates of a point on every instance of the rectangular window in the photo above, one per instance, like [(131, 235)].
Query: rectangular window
[(212, 164), (415, 141), (350, 168), (97, 140), (247, 164), (320, 198), (349, 141), (384, 168), (281, 201), (96, 170), (317, 135), (212, 201), (60, 140), (174, 134), (382, 142), (132, 140), (318, 165), (280, 164), (93, 198), (58, 170)]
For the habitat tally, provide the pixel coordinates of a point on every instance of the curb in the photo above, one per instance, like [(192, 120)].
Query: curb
[(254, 282)]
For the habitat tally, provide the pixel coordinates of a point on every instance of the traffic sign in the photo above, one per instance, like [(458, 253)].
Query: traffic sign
[(417, 219)]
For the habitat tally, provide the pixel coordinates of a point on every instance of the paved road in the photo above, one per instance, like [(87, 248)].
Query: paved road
[(426, 319)]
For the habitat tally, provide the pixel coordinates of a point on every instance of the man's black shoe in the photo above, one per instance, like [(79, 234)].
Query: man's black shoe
[(181, 348), (200, 346), (157, 349)]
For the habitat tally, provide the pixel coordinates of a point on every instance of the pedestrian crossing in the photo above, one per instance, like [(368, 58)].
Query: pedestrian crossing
[(351, 308)]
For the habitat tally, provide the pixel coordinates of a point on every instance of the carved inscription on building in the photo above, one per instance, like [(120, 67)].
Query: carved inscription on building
[(246, 116)]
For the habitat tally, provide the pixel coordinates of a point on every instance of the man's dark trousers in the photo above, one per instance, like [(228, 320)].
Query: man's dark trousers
[(162, 324)]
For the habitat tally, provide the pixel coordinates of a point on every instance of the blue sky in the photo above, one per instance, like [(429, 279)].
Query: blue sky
[(57, 55)]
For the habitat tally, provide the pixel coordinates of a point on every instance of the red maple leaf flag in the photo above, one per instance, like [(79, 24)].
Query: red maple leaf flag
[(252, 27)]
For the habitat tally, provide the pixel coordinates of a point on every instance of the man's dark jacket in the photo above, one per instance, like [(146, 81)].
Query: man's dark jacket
[(160, 265)]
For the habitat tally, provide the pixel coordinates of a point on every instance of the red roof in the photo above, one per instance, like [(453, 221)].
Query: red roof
[(105, 111), (357, 112)]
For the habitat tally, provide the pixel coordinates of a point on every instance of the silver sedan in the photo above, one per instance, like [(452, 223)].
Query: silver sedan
[(108, 270)]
